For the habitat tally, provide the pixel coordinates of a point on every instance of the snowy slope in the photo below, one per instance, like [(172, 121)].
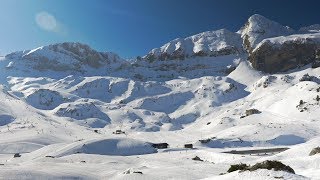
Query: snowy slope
[(70, 122)]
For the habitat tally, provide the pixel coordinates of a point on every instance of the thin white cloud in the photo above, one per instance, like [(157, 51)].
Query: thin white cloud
[(48, 22)]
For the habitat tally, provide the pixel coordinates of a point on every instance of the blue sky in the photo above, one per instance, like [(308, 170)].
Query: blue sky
[(133, 27)]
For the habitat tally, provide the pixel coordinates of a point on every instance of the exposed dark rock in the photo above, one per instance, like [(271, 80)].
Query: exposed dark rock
[(292, 54), (236, 167), (252, 111), (197, 159), (270, 165), (315, 151), (316, 63), (130, 171), (230, 69), (307, 77)]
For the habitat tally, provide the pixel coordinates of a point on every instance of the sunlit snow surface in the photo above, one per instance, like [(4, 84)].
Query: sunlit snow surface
[(63, 123)]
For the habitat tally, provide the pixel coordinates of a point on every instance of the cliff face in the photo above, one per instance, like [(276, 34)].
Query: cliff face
[(273, 47), (284, 53)]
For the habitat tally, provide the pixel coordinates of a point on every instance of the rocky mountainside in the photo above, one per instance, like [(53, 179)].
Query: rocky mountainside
[(210, 43), (269, 46), (63, 57), (284, 53)]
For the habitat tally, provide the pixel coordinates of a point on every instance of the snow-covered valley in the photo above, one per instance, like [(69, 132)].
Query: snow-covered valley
[(74, 113)]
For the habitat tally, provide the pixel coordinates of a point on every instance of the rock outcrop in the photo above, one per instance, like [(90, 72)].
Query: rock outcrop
[(315, 151), (285, 52)]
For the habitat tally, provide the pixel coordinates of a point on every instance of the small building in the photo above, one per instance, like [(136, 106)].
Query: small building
[(188, 146), (119, 132), (50, 156), (160, 145), (16, 155), (204, 141)]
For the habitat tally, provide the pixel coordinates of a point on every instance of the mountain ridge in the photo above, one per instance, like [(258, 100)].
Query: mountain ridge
[(206, 44)]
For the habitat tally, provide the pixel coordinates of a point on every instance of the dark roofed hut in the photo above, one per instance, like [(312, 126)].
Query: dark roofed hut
[(160, 145), (119, 132)]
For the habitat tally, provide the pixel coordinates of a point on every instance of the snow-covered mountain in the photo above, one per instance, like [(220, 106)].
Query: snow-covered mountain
[(258, 28), (62, 57), (75, 113), (210, 43)]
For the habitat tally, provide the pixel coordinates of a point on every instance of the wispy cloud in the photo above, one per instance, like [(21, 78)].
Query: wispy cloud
[(48, 22)]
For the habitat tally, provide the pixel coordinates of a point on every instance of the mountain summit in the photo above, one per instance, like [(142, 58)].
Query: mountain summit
[(258, 28)]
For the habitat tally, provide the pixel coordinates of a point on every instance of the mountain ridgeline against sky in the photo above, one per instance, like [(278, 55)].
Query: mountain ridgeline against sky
[(270, 47)]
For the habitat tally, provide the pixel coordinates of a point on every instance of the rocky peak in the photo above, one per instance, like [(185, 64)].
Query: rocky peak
[(258, 28)]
